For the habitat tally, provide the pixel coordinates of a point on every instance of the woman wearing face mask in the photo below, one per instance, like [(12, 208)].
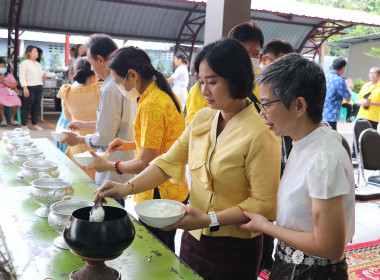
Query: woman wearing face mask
[(8, 95), (252, 38), (31, 82), (158, 124), (180, 78)]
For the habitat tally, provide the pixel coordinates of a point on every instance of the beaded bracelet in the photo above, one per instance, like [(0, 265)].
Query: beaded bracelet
[(117, 168), (132, 186)]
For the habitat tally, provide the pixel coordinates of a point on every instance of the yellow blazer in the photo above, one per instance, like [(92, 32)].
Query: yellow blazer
[(239, 167)]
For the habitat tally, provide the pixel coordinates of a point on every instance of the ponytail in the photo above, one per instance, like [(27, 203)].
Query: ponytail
[(163, 84)]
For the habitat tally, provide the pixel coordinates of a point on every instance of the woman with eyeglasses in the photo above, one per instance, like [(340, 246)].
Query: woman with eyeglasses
[(234, 163), (158, 124), (316, 196)]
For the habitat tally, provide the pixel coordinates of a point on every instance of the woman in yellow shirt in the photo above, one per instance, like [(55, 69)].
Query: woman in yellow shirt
[(158, 124), (80, 102), (234, 163)]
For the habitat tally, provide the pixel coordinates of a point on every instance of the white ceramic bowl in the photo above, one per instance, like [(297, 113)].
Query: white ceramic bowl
[(86, 158), (59, 136), (361, 101), (158, 222)]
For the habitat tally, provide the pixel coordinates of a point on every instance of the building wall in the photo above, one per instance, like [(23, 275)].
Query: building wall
[(359, 63)]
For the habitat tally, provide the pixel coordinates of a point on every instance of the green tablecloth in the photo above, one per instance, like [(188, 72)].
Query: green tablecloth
[(30, 238)]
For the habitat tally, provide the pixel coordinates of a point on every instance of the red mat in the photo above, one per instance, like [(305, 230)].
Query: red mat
[(363, 261)]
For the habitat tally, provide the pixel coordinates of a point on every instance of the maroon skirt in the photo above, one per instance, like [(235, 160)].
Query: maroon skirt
[(222, 257)]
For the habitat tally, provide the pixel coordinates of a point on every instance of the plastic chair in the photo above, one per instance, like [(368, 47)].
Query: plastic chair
[(369, 142), (8, 114)]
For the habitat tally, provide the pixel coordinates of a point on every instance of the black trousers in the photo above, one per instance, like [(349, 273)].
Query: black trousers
[(31, 103)]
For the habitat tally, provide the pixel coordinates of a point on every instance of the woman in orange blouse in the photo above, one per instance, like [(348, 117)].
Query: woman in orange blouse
[(80, 102), (158, 124)]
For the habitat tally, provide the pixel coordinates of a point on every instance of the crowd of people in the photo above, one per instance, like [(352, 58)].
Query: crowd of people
[(254, 141)]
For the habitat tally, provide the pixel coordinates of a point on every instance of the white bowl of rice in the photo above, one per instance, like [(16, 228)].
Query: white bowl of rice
[(159, 213), (86, 158)]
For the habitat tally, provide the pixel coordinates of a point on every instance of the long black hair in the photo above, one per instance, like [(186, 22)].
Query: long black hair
[(83, 71), (124, 59)]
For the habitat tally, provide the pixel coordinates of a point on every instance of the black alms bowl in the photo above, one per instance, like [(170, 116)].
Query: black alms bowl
[(99, 240)]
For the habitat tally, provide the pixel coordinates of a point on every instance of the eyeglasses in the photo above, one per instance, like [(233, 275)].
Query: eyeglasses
[(263, 106)]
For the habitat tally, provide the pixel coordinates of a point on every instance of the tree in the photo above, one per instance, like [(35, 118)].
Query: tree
[(55, 61)]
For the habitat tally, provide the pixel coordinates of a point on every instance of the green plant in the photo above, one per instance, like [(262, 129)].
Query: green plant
[(55, 61), (375, 52), (358, 84)]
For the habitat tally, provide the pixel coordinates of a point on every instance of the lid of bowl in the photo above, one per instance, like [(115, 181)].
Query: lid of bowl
[(20, 141), (16, 132), (23, 151), (40, 164), (51, 183)]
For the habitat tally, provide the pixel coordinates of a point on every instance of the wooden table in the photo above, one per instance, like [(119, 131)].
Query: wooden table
[(30, 238)]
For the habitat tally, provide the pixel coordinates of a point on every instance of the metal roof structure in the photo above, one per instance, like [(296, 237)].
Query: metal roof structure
[(346, 42), (181, 22)]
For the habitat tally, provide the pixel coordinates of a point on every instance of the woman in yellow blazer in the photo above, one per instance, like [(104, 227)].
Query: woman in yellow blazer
[(234, 163)]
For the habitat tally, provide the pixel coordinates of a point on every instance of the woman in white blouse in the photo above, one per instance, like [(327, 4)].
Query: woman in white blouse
[(316, 196), (180, 78), (31, 82)]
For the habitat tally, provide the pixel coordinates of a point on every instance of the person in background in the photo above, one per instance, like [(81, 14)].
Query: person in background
[(180, 78), (8, 94), (316, 196), (370, 94), (31, 81), (193, 78), (40, 54), (115, 114), (336, 91), (158, 124), (252, 38), (274, 50), (80, 102), (73, 60), (234, 163), (350, 105)]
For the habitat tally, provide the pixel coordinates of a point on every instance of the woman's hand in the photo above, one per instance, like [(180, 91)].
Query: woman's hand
[(72, 138), (256, 224), (76, 125), (100, 164), (2, 79), (193, 219), (120, 145), (26, 92), (111, 189)]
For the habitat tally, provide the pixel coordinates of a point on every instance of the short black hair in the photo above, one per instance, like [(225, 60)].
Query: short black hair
[(100, 44), (247, 31), (339, 63), (277, 47), (229, 59), (293, 76)]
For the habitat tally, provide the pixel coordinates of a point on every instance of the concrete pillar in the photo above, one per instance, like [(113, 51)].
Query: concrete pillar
[(67, 49), (223, 15)]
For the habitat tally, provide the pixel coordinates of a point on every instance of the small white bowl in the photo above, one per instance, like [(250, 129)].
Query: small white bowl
[(361, 101), (158, 222), (59, 136), (86, 159)]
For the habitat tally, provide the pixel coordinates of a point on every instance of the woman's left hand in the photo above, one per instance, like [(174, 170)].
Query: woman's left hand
[(256, 223), (193, 219), (100, 164)]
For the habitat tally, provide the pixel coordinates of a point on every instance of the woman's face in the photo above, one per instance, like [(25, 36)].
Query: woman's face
[(34, 54), (278, 118), (215, 89), (177, 61), (129, 83)]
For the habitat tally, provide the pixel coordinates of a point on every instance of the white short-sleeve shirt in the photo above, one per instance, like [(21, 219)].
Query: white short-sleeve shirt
[(318, 167)]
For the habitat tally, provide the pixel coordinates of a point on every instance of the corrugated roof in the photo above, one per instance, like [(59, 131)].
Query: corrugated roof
[(162, 20)]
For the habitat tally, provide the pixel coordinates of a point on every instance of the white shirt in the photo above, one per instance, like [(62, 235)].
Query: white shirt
[(318, 167), (114, 120), (30, 73), (181, 77)]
